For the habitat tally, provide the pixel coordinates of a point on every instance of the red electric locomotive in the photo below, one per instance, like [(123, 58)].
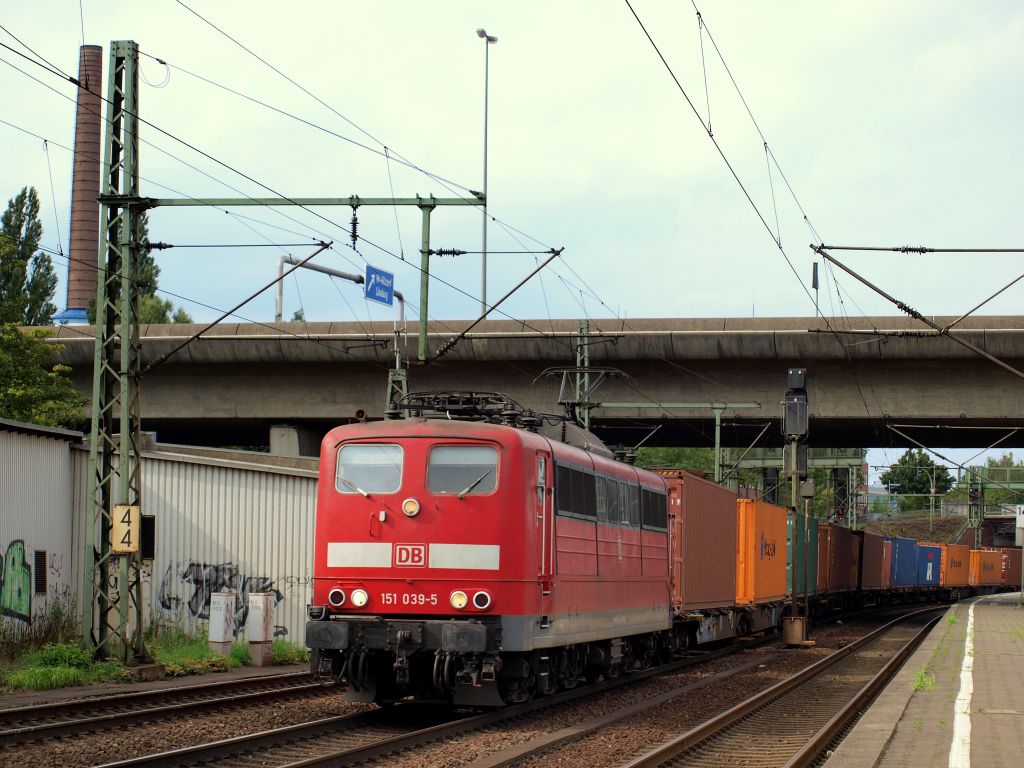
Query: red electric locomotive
[(478, 553)]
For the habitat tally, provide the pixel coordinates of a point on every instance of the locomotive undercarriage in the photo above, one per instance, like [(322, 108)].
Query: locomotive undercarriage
[(461, 662)]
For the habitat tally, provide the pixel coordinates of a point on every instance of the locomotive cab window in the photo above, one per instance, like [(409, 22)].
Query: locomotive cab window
[(462, 469), (369, 468)]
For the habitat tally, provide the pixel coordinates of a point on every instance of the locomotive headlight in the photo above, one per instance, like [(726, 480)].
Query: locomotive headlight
[(459, 600), (336, 597), (482, 601), (360, 598), (411, 507)]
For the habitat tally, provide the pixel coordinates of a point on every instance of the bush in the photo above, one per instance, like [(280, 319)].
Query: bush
[(287, 653)]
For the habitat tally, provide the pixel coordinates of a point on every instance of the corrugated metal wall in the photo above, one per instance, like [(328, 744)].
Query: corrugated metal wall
[(35, 524), (222, 526)]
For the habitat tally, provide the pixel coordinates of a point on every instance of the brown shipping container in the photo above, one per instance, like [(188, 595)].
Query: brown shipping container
[(702, 520), (871, 561), (843, 560), (886, 563), (986, 567), (825, 537), (760, 552), (955, 568), (1011, 567)]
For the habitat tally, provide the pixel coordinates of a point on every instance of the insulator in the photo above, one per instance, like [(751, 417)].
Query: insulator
[(355, 227)]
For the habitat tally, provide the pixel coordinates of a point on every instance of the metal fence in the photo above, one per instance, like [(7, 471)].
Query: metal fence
[(219, 526)]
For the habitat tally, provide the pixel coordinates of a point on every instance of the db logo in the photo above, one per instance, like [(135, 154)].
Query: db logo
[(410, 555)]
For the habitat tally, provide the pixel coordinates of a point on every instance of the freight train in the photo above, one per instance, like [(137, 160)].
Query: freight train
[(479, 554)]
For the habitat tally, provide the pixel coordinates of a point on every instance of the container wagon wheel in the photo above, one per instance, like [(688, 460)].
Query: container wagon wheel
[(743, 626)]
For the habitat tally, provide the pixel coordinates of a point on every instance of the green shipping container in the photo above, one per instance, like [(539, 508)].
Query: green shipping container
[(795, 553)]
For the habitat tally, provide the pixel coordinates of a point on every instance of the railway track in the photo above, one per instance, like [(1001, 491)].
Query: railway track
[(793, 722), (56, 720), (349, 739)]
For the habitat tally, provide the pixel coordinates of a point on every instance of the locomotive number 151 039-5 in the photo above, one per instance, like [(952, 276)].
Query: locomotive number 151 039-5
[(407, 598)]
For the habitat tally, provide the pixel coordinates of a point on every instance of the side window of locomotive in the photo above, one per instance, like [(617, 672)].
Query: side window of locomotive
[(634, 506), (623, 503), (369, 468), (602, 502), (563, 489), (576, 493), (589, 506), (462, 469), (652, 510)]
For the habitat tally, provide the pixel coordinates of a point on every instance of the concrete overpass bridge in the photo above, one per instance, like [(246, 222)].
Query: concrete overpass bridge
[(236, 382)]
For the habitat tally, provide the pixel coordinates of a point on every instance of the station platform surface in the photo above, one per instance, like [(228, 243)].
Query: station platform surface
[(958, 701)]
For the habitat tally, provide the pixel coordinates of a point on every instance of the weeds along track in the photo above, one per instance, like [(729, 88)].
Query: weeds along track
[(57, 720)]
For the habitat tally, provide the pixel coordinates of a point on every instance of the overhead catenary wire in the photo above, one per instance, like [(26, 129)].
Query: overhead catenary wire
[(65, 259), (902, 306), (334, 224), (242, 220), (386, 150), (289, 200), (53, 197), (155, 363), (734, 173)]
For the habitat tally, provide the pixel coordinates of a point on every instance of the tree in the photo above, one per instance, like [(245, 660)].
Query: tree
[(1013, 472), (685, 458), (32, 387), (912, 474), (27, 279), (153, 309)]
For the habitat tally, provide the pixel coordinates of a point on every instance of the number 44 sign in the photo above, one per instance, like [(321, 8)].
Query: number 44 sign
[(124, 532)]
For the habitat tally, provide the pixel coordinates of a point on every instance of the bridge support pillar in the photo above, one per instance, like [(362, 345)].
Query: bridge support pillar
[(289, 440)]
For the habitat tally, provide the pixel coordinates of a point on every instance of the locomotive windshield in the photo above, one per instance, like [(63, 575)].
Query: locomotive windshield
[(462, 469), (369, 468)]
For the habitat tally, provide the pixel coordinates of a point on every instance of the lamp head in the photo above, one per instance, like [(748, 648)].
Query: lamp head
[(482, 34)]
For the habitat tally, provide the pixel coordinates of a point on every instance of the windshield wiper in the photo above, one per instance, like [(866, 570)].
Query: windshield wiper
[(353, 486), (474, 484)]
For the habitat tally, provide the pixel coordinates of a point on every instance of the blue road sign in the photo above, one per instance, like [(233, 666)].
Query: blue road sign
[(380, 285)]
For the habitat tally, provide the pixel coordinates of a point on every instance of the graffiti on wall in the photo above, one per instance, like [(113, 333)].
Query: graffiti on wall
[(16, 583), (207, 578)]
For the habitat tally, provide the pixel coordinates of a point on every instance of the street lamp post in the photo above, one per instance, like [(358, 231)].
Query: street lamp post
[(488, 40)]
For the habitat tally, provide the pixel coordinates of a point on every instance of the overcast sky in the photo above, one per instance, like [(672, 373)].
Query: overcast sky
[(894, 124)]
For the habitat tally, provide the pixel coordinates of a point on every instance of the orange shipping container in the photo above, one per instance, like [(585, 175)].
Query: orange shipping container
[(986, 567), (760, 552), (955, 568)]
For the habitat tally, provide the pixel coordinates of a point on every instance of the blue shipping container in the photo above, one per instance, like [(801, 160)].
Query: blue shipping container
[(929, 557), (904, 562)]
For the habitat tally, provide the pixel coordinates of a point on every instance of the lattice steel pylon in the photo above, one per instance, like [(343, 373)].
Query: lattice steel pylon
[(112, 616)]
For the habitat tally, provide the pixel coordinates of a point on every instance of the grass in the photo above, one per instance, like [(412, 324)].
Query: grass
[(184, 654), (29, 661), (923, 681), (57, 665), (952, 618)]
